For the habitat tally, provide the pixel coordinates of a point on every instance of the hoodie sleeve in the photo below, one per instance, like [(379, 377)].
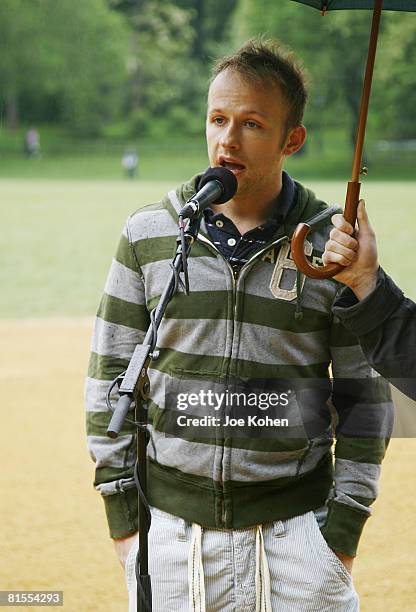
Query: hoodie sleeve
[(364, 419), (385, 324), (121, 322)]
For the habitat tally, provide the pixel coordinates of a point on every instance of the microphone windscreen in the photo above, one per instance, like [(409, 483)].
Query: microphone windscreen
[(225, 177)]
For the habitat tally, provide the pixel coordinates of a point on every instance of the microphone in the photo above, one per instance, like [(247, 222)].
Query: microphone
[(216, 186)]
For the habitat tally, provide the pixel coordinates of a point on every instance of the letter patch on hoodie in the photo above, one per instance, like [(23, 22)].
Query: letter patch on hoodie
[(283, 281)]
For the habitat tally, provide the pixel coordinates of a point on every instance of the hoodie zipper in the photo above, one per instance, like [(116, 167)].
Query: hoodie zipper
[(234, 277), (207, 242)]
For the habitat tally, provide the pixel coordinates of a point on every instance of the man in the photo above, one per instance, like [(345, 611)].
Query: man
[(373, 307), (235, 518)]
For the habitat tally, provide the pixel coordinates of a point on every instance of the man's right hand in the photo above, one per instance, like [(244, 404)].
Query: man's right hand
[(123, 547), (358, 254)]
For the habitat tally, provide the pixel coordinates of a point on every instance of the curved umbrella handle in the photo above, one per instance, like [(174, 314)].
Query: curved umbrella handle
[(302, 230)]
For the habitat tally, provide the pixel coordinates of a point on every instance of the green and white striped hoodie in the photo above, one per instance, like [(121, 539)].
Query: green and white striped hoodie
[(230, 327)]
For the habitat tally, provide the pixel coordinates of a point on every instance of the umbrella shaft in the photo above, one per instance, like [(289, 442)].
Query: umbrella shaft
[(356, 167)]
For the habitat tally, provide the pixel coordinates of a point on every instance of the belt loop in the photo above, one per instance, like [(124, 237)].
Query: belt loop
[(279, 529), (181, 535)]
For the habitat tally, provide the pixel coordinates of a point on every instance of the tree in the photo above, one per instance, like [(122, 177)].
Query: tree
[(89, 72), (348, 36), (72, 53), (22, 60), (172, 45), (166, 83), (395, 87), (211, 22)]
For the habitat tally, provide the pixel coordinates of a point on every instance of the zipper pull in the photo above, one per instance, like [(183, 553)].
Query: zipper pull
[(236, 271)]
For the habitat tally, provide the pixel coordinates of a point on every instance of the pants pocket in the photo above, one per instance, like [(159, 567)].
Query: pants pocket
[(325, 554)]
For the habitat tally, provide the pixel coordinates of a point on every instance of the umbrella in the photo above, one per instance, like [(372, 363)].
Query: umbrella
[(353, 190)]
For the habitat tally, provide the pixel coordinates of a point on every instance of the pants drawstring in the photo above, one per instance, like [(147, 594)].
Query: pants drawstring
[(263, 595), (196, 572)]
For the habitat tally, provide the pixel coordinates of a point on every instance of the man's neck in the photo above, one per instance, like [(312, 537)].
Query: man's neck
[(247, 213)]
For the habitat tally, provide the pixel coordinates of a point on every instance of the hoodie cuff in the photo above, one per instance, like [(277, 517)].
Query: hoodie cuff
[(361, 317), (121, 510), (343, 527)]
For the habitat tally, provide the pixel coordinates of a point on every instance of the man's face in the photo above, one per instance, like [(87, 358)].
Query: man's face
[(245, 131)]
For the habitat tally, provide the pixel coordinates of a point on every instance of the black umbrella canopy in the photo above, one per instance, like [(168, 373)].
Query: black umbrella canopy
[(353, 190), (333, 5)]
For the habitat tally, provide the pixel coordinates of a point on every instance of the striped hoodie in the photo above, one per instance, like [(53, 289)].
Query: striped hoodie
[(239, 329)]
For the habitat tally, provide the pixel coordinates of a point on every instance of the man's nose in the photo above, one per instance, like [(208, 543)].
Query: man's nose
[(230, 137)]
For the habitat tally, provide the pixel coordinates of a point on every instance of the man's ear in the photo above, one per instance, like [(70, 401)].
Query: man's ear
[(294, 140)]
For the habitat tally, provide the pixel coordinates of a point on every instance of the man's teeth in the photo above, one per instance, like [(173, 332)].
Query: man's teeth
[(232, 166)]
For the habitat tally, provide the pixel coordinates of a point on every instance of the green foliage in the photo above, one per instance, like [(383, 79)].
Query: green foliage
[(92, 62), (212, 26), (65, 54), (167, 83), (91, 45), (22, 58), (171, 45), (140, 68), (395, 88)]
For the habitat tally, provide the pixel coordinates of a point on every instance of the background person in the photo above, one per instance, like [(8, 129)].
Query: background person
[(32, 143), (373, 307), (130, 162)]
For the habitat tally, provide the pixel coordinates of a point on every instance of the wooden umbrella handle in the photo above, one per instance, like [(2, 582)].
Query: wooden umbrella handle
[(353, 191), (302, 230)]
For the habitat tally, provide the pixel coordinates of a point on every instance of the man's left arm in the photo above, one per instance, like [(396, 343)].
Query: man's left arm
[(364, 410)]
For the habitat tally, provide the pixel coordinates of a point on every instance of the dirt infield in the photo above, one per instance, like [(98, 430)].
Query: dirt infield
[(53, 529)]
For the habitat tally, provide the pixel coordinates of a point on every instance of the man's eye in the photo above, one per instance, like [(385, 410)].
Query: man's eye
[(219, 120), (251, 124)]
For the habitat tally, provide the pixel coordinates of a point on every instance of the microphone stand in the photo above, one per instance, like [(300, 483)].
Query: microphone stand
[(134, 386)]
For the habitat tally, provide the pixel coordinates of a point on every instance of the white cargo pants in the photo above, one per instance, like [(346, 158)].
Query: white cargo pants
[(285, 566)]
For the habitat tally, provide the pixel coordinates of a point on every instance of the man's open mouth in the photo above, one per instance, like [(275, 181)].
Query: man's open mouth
[(232, 165)]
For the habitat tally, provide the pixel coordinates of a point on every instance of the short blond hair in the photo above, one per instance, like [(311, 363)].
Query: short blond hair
[(264, 61)]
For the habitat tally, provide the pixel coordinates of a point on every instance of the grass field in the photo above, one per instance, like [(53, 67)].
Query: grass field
[(56, 242)]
